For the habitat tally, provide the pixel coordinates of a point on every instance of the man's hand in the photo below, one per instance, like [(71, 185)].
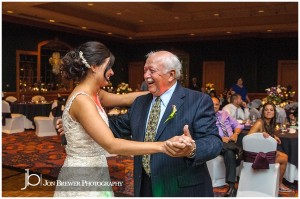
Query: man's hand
[(244, 105), (59, 127), (234, 137), (225, 139), (180, 146)]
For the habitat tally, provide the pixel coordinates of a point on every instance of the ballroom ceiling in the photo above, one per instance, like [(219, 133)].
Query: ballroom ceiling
[(157, 20)]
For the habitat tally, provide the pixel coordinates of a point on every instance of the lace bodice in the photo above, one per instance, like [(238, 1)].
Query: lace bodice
[(79, 143)]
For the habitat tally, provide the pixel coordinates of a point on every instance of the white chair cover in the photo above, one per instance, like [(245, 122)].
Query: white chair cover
[(15, 124), (45, 125), (258, 182), (217, 171), (11, 99), (254, 112), (5, 107)]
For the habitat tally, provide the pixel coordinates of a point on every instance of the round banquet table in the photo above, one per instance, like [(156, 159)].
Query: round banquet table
[(31, 110)]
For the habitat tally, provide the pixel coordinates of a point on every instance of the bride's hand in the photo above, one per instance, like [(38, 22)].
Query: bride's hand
[(180, 146)]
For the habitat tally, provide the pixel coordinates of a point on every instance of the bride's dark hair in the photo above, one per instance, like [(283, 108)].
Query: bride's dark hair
[(75, 66)]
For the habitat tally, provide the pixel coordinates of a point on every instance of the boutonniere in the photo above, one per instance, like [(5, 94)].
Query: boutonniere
[(172, 115)]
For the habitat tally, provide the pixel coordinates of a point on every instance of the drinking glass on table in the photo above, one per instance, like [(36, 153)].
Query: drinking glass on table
[(283, 124)]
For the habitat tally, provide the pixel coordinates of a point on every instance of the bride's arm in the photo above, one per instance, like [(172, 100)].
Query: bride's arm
[(84, 111), (111, 100)]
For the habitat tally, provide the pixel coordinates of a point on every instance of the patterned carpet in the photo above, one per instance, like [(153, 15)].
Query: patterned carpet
[(45, 155)]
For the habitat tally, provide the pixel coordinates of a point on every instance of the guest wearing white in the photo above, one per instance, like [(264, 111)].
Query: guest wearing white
[(235, 109)]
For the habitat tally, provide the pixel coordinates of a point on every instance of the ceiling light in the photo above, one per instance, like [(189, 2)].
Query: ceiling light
[(269, 30), (176, 17), (90, 4), (228, 32), (10, 12), (192, 34), (261, 11), (141, 21), (119, 13), (129, 37), (109, 33), (216, 14), (83, 27), (51, 20)]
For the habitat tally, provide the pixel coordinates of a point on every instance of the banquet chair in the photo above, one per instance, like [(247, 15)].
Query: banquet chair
[(45, 125), (258, 182), (37, 98), (11, 99), (15, 124), (217, 171)]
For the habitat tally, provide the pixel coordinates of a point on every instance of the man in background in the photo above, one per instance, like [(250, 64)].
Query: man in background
[(229, 129)]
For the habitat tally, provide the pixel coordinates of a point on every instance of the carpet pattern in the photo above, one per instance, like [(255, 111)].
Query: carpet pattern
[(45, 155)]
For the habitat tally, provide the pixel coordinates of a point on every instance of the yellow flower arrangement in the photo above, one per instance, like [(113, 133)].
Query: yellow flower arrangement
[(209, 87), (123, 88)]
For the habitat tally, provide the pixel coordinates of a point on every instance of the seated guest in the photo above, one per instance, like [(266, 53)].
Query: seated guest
[(266, 125), (235, 108), (194, 85), (229, 129), (228, 94)]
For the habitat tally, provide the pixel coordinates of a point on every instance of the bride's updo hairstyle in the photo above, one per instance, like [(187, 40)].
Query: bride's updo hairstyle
[(77, 62)]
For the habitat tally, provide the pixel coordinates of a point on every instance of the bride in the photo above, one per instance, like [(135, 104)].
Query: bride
[(85, 123)]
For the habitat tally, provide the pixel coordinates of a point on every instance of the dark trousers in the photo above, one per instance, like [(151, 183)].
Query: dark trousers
[(146, 186), (230, 164)]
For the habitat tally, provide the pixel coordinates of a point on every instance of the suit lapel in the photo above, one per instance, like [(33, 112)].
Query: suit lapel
[(143, 114), (177, 100)]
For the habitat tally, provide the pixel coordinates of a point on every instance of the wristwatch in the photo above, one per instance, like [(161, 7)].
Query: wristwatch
[(193, 153)]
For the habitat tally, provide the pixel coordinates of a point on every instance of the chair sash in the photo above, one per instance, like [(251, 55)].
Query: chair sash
[(260, 160)]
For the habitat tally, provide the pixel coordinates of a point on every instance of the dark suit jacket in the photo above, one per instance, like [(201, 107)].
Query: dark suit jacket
[(177, 176)]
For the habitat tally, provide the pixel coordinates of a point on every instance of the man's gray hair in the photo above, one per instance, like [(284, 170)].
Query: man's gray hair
[(171, 62)]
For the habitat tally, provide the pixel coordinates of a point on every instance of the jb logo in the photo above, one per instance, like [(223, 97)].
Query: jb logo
[(27, 179)]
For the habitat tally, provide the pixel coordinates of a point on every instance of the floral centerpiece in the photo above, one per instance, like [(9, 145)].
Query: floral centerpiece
[(277, 94), (209, 87), (109, 88), (123, 88)]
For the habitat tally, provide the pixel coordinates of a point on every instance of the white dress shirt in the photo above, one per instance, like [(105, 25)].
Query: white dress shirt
[(237, 112), (165, 98)]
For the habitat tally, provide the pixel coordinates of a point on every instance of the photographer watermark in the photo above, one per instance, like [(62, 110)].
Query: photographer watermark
[(75, 179)]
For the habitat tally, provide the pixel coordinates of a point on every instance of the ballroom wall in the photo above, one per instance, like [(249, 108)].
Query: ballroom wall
[(254, 58)]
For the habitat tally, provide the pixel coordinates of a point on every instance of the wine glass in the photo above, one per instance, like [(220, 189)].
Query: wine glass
[(283, 124)]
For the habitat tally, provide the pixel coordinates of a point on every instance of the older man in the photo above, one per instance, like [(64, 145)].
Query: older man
[(162, 175), (229, 129)]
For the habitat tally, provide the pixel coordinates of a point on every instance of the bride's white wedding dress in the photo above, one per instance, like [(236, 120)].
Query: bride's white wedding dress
[(85, 170)]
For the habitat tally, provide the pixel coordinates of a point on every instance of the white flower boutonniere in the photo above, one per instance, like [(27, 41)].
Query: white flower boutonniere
[(172, 115)]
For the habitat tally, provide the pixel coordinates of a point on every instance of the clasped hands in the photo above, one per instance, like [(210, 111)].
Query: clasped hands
[(180, 146), (177, 146)]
